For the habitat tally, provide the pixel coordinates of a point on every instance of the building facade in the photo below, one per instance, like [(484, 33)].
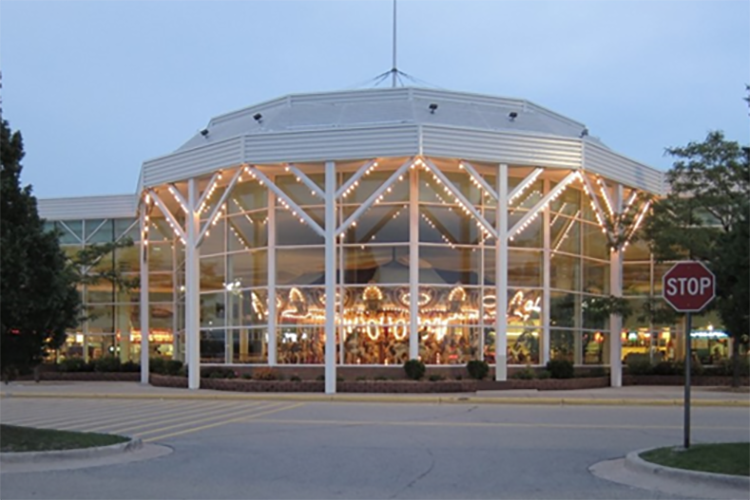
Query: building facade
[(372, 227)]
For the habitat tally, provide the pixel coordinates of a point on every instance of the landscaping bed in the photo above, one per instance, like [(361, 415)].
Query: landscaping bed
[(721, 458), (23, 439), (354, 386)]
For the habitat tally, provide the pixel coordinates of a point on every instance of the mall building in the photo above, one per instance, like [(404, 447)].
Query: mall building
[(374, 226)]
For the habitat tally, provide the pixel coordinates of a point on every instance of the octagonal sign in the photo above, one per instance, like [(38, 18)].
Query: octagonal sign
[(689, 286)]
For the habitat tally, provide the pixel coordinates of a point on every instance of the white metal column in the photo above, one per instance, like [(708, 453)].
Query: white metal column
[(330, 278), (272, 278), (501, 276), (413, 263), (192, 286), (145, 308), (615, 289), (546, 280)]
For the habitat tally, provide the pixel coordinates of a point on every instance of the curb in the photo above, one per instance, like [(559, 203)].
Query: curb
[(353, 398), (26, 457), (635, 463)]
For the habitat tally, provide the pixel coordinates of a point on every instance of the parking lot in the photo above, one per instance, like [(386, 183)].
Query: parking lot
[(306, 449)]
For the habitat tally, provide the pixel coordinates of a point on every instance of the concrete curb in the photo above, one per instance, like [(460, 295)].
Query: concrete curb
[(375, 398), (26, 457), (635, 463)]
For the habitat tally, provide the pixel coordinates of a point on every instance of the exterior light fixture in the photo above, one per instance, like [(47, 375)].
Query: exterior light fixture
[(433, 107), (258, 117), (512, 115), (204, 132), (584, 132)]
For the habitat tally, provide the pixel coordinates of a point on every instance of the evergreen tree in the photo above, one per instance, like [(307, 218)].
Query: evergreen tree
[(38, 296)]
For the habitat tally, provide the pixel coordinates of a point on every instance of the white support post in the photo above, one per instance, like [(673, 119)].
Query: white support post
[(192, 287), (413, 264), (330, 279), (501, 276), (615, 320), (85, 327), (272, 358), (145, 307), (546, 281)]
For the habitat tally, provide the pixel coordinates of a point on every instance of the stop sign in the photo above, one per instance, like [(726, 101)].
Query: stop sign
[(689, 286)]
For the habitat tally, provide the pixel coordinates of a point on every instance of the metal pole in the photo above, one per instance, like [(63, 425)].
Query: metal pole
[(272, 337), (330, 278), (688, 356), (394, 71)]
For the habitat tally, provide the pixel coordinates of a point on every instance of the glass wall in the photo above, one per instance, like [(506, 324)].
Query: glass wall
[(260, 252), (110, 315)]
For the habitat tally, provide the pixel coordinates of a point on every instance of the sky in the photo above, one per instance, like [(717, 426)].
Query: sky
[(98, 87)]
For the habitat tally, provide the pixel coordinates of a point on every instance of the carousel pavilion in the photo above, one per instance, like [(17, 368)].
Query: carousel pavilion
[(370, 227)]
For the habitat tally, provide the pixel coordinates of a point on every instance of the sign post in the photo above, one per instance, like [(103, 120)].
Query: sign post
[(688, 287)]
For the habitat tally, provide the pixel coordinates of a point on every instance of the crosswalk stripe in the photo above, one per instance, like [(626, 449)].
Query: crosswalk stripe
[(129, 417), (98, 414), (232, 414), (74, 415), (183, 416), (219, 424)]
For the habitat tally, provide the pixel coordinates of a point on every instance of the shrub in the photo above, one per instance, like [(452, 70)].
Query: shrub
[(74, 365), (665, 368), (414, 369), (381, 377), (172, 367), (360, 379), (543, 375), (725, 367), (525, 374), (295, 378), (560, 368), (107, 364), (217, 372), (247, 376), (339, 379), (477, 369), (696, 368), (640, 366), (459, 377), (436, 377), (597, 371), (130, 366), (156, 365), (266, 374), (320, 378)]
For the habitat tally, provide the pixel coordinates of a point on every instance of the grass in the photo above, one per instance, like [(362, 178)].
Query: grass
[(723, 458), (15, 439)]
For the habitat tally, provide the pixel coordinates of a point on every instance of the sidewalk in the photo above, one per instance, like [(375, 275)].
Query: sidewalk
[(632, 395)]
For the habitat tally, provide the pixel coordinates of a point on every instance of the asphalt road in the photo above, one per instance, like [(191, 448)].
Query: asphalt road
[(256, 449)]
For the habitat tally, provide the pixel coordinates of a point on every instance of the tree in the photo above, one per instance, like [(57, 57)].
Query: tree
[(705, 217), (39, 300)]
